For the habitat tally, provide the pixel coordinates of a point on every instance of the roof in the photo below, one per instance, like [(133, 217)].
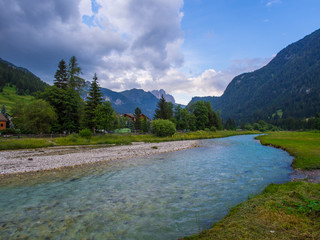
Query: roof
[(128, 115), (3, 118)]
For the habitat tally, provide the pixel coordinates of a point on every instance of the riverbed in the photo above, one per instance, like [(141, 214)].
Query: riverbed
[(163, 196)]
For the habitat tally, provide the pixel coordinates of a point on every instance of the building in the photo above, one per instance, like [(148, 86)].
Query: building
[(133, 117), (3, 122)]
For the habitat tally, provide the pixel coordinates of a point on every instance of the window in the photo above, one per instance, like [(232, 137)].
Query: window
[(1, 125)]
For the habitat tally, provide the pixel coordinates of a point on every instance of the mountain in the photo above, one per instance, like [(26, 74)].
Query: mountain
[(167, 97), (288, 86), (24, 80), (127, 101)]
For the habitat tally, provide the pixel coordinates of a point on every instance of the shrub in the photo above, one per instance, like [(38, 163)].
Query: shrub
[(73, 137), (8, 131), (85, 133), (213, 129), (163, 128)]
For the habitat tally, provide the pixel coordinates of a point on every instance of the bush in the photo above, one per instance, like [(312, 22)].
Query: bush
[(85, 133), (73, 137), (163, 128), (213, 129), (8, 131)]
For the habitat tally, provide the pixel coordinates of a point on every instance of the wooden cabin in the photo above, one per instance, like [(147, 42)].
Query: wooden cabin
[(3, 122)]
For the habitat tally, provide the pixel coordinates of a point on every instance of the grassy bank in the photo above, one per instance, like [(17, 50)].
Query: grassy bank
[(304, 146), (281, 211), (27, 143)]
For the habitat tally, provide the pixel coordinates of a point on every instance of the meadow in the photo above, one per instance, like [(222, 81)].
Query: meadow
[(8, 97)]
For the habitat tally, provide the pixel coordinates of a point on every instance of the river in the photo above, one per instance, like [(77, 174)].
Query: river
[(163, 196)]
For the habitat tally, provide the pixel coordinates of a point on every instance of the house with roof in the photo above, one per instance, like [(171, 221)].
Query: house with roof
[(3, 122), (133, 117)]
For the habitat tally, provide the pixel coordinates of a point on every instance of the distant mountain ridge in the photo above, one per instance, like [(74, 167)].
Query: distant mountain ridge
[(127, 101), (289, 86), (167, 97)]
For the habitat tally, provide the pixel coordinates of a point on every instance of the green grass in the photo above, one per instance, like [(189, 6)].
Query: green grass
[(8, 97), (118, 139), (281, 211), (304, 146)]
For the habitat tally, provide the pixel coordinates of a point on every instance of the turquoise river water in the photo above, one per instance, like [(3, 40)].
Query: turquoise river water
[(163, 196)]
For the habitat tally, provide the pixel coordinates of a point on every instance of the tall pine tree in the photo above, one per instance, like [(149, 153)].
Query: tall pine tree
[(61, 76), (74, 71), (137, 123), (164, 109), (93, 100)]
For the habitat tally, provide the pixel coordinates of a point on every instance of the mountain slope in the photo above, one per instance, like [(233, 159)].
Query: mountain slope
[(127, 101), (25, 81), (290, 84)]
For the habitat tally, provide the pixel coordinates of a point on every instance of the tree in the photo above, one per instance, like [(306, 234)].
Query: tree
[(230, 124), (219, 121), (72, 112), (61, 76), (94, 99), (164, 109), (35, 117), (104, 116), (317, 121), (145, 125), (212, 117), (201, 113), (181, 118), (74, 72), (137, 123)]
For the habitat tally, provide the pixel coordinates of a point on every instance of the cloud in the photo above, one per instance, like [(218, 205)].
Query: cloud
[(272, 2), (129, 44), (209, 83), (116, 39)]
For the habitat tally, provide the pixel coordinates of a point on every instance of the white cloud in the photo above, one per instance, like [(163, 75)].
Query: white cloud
[(117, 39), (272, 2)]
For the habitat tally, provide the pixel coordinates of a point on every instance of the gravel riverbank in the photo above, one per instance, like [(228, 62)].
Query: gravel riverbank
[(18, 161)]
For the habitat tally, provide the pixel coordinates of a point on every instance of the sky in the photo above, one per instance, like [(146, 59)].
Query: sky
[(186, 47)]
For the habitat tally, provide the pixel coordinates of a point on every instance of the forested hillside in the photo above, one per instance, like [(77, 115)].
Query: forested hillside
[(288, 87), (24, 81)]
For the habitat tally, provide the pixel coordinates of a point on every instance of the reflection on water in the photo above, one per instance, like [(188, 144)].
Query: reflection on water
[(164, 196)]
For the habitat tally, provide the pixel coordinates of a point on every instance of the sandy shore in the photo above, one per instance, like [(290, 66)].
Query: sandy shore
[(18, 161)]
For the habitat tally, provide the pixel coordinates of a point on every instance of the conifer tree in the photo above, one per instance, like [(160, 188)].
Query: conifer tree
[(164, 109), (145, 125), (93, 100), (74, 71), (61, 76), (137, 123)]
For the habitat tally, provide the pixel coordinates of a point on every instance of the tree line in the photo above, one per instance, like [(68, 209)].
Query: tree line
[(196, 116)]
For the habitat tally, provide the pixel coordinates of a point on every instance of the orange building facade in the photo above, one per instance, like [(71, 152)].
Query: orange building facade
[(3, 122)]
